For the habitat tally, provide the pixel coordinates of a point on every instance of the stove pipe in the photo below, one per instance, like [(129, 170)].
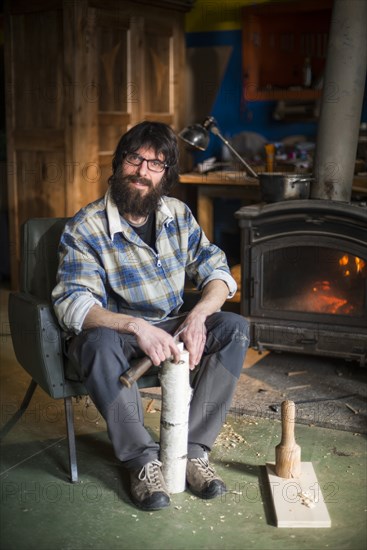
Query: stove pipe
[(341, 103)]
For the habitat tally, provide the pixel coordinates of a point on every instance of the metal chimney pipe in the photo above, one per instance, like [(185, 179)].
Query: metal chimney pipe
[(341, 103)]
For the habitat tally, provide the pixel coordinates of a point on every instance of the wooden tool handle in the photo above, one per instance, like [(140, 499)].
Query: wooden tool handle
[(270, 153), (288, 415), (288, 453), (135, 372)]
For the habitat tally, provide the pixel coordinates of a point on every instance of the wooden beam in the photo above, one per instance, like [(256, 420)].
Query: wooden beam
[(81, 114)]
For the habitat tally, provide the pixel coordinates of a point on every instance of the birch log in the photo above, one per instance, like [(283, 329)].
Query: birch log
[(176, 396)]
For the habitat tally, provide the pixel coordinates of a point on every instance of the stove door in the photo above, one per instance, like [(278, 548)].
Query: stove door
[(309, 279)]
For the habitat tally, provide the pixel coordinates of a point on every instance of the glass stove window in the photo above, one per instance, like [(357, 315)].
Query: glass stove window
[(314, 279)]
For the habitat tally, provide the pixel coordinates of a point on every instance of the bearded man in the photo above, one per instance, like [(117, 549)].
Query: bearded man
[(123, 260)]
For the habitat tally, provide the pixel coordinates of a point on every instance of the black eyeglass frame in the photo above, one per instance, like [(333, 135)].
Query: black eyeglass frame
[(148, 161)]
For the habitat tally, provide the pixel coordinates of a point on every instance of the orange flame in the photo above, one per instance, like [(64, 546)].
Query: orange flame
[(325, 297), (344, 260), (360, 264), (325, 301)]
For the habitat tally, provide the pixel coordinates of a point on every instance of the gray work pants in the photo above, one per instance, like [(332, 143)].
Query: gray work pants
[(101, 355)]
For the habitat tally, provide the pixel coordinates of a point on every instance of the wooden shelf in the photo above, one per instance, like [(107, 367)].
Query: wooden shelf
[(277, 38), (303, 94)]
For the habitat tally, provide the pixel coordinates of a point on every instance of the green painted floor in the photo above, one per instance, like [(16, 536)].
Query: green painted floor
[(40, 509)]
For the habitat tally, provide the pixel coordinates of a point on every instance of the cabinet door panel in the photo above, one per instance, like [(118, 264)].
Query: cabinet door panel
[(39, 89), (115, 89), (158, 72), (112, 69), (40, 183)]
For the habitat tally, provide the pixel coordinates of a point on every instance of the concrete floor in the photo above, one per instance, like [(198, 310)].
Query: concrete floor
[(40, 509)]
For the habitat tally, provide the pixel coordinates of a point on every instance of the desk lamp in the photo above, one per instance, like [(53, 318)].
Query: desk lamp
[(197, 135)]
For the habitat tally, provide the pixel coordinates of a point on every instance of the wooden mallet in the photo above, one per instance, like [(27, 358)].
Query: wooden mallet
[(133, 374), (288, 453), (141, 366), (293, 484)]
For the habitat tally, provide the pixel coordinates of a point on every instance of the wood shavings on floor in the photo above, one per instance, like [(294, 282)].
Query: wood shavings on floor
[(228, 438)]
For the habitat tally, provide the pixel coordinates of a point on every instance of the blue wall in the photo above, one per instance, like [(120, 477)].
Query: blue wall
[(231, 111)]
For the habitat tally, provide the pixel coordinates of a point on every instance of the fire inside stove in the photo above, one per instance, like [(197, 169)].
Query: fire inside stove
[(314, 279)]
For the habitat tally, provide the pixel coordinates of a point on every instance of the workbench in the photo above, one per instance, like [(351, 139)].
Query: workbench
[(223, 184)]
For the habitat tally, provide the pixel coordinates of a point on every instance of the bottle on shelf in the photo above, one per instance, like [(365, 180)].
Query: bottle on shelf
[(307, 73)]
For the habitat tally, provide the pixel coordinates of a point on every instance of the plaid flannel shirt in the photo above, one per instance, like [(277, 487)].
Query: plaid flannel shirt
[(103, 261)]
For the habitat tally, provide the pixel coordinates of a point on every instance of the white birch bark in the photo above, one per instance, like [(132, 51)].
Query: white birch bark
[(176, 396)]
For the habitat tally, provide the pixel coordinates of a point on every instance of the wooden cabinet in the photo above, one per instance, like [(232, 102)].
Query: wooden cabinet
[(277, 39), (79, 73)]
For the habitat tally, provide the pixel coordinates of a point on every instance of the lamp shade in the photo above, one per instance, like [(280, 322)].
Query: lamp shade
[(195, 135)]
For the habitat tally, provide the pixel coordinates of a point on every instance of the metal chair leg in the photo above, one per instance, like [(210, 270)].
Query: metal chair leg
[(69, 414), (23, 407)]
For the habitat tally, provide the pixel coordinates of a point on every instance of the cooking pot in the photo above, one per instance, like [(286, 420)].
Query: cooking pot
[(280, 186)]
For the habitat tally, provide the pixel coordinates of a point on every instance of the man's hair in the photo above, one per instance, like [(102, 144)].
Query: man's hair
[(155, 135)]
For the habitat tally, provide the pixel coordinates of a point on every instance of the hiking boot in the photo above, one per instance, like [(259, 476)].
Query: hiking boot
[(148, 489), (202, 479)]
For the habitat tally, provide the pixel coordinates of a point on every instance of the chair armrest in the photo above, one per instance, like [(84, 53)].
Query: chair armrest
[(37, 342)]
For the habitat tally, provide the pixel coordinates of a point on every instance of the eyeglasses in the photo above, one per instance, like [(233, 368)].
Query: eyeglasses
[(154, 165)]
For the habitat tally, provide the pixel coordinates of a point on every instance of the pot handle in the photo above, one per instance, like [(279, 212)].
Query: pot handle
[(301, 180)]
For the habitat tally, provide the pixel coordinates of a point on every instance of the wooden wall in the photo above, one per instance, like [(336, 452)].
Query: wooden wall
[(79, 73)]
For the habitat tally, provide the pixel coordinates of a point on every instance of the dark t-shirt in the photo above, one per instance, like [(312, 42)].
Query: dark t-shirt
[(147, 231)]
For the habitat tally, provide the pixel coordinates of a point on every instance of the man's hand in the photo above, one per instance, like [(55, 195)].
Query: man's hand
[(194, 337), (155, 342)]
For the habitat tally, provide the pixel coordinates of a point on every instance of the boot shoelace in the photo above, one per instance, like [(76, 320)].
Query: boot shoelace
[(207, 471), (150, 473)]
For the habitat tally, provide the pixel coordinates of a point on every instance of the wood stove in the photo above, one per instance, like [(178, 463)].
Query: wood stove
[(304, 277), (304, 262)]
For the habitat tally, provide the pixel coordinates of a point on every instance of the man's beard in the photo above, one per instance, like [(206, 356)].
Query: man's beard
[(130, 200)]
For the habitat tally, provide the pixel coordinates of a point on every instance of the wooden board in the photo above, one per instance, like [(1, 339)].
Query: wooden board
[(289, 496)]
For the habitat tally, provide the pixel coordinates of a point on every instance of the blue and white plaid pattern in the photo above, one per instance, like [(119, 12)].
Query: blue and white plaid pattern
[(103, 261)]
